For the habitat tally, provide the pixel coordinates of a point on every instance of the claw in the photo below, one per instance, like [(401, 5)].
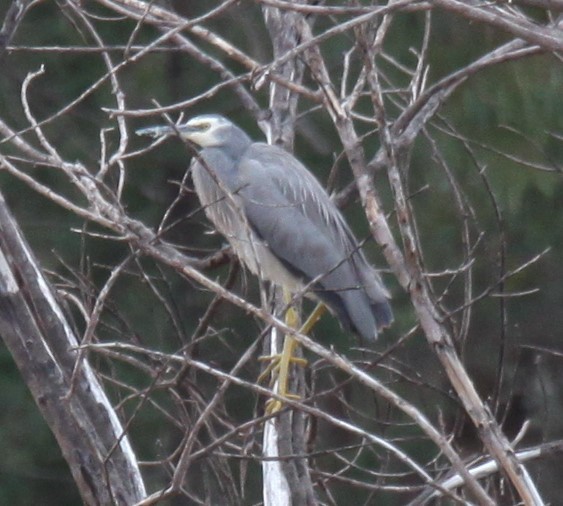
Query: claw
[(274, 366), (279, 364), (275, 405)]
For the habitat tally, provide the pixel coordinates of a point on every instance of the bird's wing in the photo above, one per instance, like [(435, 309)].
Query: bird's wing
[(290, 211), (305, 191), (274, 169), (295, 237)]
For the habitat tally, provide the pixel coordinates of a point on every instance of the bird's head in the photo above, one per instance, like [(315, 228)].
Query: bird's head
[(207, 130)]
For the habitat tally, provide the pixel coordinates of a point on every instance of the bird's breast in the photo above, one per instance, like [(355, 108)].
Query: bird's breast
[(225, 209)]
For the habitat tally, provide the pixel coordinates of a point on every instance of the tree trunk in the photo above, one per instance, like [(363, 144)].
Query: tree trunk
[(70, 397)]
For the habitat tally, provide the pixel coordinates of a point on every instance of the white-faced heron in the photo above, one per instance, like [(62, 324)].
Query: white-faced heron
[(281, 222)]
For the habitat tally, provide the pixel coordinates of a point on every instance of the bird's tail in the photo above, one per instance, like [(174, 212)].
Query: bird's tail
[(365, 311), (382, 313)]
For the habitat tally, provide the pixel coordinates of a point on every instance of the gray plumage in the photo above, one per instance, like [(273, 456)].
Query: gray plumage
[(281, 223)]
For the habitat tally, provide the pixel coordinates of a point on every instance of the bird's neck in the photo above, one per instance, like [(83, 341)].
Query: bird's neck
[(232, 148), (237, 144), (224, 161)]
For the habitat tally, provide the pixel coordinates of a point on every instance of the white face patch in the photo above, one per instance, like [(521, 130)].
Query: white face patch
[(206, 133), (202, 139)]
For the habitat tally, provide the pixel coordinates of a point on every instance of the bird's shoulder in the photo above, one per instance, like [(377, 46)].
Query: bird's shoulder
[(273, 174), (265, 164), (270, 159)]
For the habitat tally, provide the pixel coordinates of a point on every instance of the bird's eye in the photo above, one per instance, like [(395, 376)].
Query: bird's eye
[(204, 126)]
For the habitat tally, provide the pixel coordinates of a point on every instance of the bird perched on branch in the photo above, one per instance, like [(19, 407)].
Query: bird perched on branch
[(281, 222)]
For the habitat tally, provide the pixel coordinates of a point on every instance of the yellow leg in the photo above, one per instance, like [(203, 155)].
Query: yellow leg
[(282, 362), (291, 320), (314, 317)]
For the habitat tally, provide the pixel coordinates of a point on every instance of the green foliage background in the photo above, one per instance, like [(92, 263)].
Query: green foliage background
[(514, 107)]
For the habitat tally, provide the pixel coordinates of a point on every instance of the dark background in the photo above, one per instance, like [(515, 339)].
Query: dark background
[(513, 108)]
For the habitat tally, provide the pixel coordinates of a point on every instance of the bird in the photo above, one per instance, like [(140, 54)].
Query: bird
[(281, 223)]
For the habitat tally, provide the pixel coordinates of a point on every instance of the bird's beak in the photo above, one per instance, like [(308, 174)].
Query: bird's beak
[(165, 130), (155, 131)]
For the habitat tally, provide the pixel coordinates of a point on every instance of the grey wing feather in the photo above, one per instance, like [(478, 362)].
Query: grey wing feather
[(292, 213)]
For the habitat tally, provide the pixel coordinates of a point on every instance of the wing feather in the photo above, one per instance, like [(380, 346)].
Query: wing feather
[(290, 211)]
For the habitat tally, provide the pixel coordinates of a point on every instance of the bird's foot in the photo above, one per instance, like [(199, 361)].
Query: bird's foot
[(278, 368), (274, 366), (275, 405)]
